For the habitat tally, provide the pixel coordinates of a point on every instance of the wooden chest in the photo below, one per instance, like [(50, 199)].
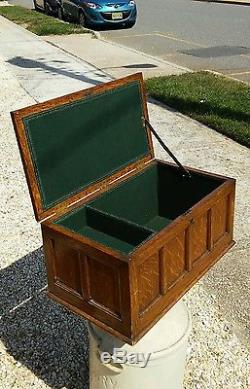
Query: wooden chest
[(125, 235)]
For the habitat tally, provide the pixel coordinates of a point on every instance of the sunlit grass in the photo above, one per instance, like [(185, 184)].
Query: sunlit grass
[(216, 101)]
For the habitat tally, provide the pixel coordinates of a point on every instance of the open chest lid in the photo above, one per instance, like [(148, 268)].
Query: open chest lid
[(73, 144)]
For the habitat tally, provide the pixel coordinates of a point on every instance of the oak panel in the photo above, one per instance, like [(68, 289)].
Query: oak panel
[(104, 285), (219, 219), (173, 259), (198, 237), (148, 274), (67, 269)]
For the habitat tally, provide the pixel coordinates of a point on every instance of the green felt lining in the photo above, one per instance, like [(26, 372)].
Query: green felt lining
[(77, 144), (106, 229), (158, 192), (124, 217)]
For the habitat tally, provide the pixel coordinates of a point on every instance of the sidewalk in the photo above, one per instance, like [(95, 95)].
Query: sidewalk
[(42, 345), (35, 63), (116, 60)]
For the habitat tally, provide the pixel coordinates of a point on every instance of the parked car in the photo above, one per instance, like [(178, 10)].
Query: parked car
[(48, 6), (99, 12)]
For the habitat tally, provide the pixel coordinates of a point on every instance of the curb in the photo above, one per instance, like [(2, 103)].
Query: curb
[(224, 75), (42, 38), (80, 59), (155, 58), (95, 34)]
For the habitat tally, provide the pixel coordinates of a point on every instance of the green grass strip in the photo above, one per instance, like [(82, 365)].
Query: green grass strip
[(39, 23), (221, 103)]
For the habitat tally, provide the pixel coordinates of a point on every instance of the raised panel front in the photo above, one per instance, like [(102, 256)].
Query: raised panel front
[(173, 261), (219, 219), (104, 286), (67, 266), (148, 276), (198, 237)]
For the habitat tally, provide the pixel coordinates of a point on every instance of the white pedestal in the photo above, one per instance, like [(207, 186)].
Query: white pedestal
[(165, 347)]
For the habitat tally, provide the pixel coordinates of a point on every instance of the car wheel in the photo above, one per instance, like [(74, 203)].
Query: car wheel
[(46, 8), (82, 19), (60, 13)]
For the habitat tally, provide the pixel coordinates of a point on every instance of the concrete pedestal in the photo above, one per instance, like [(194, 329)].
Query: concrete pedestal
[(156, 361)]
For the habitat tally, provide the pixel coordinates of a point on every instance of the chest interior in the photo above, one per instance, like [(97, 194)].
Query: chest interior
[(131, 213)]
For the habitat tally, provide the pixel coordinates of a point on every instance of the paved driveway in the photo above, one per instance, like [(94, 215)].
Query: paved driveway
[(198, 35)]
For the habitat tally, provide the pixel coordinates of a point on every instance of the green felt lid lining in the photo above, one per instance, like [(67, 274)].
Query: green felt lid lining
[(79, 143)]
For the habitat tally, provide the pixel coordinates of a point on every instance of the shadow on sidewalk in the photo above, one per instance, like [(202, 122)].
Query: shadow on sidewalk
[(217, 51), (37, 332), (61, 69)]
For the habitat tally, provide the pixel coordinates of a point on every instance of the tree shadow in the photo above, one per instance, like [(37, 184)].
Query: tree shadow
[(63, 70), (40, 334), (133, 66)]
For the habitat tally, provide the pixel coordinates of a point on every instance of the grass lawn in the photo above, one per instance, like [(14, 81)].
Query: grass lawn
[(216, 101), (39, 23)]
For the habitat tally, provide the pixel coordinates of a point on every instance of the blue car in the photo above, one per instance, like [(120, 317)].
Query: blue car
[(102, 13)]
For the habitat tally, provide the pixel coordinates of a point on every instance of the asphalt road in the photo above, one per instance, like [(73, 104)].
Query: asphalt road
[(194, 34)]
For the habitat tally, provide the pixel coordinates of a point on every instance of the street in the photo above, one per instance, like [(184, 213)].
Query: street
[(197, 35)]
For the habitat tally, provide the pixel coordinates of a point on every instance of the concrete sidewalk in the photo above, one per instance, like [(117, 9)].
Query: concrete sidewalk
[(43, 346), (118, 61), (35, 63)]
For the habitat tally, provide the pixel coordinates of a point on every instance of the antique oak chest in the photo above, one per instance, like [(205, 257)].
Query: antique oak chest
[(125, 235)]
